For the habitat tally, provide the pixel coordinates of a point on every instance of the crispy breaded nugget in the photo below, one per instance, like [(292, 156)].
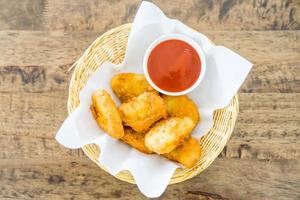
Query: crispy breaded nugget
[(168, 134), (142, 111), (136, 140), (187, 154), (106, 114), (182, 106), (129, 85)]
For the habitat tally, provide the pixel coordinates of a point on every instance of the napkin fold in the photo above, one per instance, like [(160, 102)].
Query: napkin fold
[(225, 72)]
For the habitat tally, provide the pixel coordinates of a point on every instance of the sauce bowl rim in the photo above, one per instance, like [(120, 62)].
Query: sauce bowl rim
[(184, 38)]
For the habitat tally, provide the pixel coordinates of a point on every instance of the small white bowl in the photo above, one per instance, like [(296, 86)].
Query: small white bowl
[(176, 37)]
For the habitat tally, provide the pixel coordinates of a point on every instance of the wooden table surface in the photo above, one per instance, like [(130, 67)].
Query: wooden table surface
[(41, 39)]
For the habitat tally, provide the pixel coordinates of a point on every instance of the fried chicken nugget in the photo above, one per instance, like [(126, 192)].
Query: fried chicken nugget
[(143, 111), (182, 106), (136, 140), (129, 85), (187, 154), (168, 134), (106, 114)]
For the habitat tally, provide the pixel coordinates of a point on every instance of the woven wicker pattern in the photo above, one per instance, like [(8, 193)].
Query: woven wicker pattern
[(111, 47)]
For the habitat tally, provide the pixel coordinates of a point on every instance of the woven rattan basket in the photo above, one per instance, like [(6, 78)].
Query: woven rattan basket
[(111, 47)]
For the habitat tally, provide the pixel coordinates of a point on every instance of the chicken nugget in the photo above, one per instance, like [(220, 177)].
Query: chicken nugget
[(106, 114), (136, 140), (187, 154), (143, 111), (129, 85), (182, 106), (168, 134)]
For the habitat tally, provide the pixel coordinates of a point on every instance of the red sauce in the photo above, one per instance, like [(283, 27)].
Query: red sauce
[(174, 65)]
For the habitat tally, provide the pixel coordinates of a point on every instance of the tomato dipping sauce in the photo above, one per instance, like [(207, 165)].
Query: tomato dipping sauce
[(174, 65)]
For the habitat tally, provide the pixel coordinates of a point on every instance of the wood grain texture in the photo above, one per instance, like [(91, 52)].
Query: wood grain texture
[(81, 179), (235, 14), (267, 127), (200, 14), (21, 15), (94, 15), (23, 48), (262, 159), (91, 15)]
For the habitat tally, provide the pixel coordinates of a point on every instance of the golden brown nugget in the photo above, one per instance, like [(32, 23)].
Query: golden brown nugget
[(136, 140), (143, 111), (168, 134), (187, 154), (106, 114), (129, 85), (182, 106)]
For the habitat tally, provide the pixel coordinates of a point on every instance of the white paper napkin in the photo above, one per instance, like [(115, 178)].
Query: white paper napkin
[(225, 72)]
